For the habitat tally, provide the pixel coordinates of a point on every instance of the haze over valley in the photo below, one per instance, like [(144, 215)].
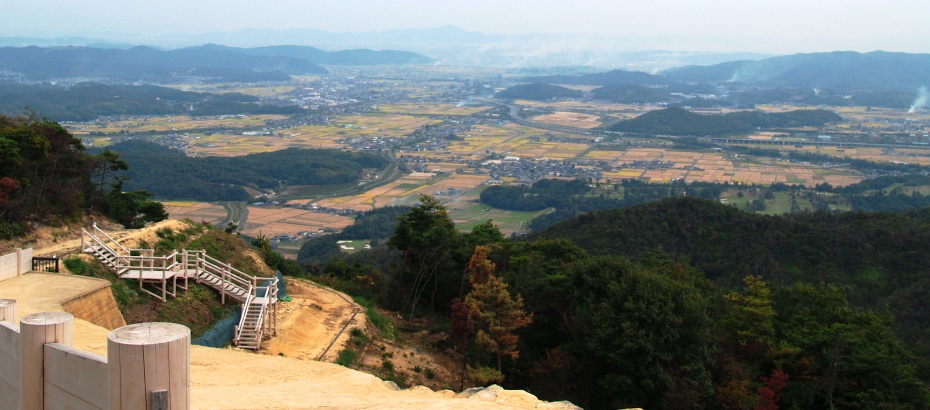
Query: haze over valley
[(543, 205)]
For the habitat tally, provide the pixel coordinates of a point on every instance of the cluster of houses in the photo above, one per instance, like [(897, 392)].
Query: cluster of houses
[(528, 171)]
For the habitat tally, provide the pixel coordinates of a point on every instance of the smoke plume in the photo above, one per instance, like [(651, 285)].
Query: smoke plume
[(923, 97)]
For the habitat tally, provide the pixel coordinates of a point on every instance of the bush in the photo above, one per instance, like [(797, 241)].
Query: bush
[(76, 265), (358, 337), (11, 230), (346, 357)]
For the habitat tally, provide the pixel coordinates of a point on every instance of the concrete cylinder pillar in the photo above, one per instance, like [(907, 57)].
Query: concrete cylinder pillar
[(149, 367), (8, 310), (36, 330)]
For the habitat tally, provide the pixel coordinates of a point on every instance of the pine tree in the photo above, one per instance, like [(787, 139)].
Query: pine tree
[(494, 313)]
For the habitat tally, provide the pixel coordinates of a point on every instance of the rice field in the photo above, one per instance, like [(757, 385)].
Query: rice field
[(313, 136), (175, 123), (272, 221), (195, 211), (431, 109), (405, 191), (570, 119), (692, 166)]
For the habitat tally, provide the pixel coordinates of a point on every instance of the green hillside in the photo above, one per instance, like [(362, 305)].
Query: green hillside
[(537, 92), (678, 121), (87, 101), (630, 94), (170, 174)]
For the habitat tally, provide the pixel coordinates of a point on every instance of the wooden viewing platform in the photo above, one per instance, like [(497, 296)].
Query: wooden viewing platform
[(166, 274)]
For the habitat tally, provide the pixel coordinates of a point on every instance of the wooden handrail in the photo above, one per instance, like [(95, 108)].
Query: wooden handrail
[(110, 238), (245, 310)]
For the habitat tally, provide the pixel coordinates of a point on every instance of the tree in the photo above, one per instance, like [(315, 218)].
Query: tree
[(108, 162), (133, 209), (750, 319), (646, 337), (427, 238), (492, 311), (461, 332)]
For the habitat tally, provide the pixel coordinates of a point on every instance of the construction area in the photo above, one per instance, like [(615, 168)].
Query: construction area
[(282, 360)]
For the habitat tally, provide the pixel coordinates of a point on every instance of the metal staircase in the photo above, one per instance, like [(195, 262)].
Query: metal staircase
[(165, 274)]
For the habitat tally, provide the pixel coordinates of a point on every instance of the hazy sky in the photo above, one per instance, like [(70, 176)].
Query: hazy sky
[(768, 26)]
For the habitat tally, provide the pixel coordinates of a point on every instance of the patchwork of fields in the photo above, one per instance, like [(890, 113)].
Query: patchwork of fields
[(196, 211)]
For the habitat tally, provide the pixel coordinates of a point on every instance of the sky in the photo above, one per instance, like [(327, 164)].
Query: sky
[(761, 26)]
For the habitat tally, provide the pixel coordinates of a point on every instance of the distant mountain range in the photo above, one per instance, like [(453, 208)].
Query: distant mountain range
[(841, 69), (837, 70), (150, 65), (223, 63), (317, 56)]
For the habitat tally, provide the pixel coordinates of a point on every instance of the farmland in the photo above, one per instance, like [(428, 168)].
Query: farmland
[(449, 144), (196, 211), (175, 123), (313, 136), (273, 221)]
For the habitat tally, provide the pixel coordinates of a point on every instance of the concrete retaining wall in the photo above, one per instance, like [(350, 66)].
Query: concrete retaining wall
[(15, 264), (97, 307), (9, 266), (10, 380), (24, 262), (75, 379), (70, 378)]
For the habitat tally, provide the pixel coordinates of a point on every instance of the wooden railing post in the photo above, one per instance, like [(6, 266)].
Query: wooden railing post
[(146, 360), (8, 310), (223, 287), (36, 330)]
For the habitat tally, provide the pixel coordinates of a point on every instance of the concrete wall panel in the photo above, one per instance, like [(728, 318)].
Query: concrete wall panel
[(24, 260), (10, 381), (76, 374), (56, 398), (9, 267)]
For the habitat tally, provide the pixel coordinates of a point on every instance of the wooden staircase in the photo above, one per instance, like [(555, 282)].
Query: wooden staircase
[(258, 295)]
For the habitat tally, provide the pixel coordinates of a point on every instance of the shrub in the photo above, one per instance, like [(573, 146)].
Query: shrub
[(346, 357)]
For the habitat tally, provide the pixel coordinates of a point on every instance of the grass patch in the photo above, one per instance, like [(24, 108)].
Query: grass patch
[(358, 337), (376, 318), (346, 357)]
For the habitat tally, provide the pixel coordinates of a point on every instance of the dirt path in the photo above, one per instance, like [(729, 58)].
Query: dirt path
[(51, 244), (309, 323)]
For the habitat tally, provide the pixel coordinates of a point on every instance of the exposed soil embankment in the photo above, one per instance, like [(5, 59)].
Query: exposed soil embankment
[(309, 323)]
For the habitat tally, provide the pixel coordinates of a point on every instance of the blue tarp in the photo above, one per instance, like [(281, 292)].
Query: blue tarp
[(222, 333), (282, 287)]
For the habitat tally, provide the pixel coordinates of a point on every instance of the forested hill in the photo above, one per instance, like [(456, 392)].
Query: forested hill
[(876, 254), (151, 65), (678, 121), (537, 92), (170, 174), (630, 94), (847, 70), (340, 57), (87, 101)]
